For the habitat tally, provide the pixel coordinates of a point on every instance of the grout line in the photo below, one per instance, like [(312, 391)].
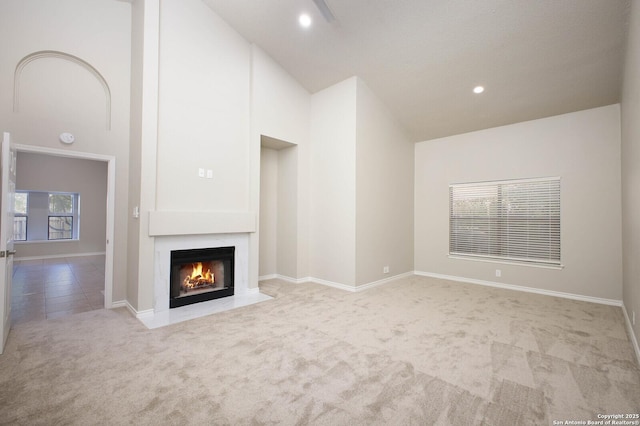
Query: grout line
[(79, 301)]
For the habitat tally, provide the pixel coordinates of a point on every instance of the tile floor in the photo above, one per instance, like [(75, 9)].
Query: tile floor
[(52, 288)]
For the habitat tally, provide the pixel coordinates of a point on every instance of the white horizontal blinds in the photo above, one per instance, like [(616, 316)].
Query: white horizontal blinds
[(515, 220)]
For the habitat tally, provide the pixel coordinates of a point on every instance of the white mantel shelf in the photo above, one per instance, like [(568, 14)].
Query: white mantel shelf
[(164, 223)]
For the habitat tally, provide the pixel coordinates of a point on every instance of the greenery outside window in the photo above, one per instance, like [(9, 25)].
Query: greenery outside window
[(60, 227), (60, 217)]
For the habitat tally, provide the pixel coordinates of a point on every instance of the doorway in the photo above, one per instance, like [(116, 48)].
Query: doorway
[(57, 278), (278, 209)]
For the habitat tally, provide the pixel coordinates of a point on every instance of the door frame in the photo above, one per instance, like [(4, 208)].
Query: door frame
[(111, 185)]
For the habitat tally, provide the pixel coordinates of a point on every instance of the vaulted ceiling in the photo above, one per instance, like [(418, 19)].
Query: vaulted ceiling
[(535, 58)]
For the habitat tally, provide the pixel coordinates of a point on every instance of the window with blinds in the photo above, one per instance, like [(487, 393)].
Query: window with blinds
[(516, 220)]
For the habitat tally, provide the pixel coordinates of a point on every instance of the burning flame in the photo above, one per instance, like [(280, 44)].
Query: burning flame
[(198, 278)]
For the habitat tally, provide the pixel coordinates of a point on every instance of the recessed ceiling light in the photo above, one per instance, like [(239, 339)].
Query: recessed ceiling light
[(304, 20), (478, 89)]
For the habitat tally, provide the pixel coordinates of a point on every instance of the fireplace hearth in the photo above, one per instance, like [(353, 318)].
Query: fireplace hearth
[(201, 274)]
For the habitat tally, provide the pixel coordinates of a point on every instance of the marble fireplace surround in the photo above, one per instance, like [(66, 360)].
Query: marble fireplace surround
[(168, 237)]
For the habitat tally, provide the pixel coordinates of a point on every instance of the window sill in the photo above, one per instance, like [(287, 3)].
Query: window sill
[(506, 262), (74, 240)]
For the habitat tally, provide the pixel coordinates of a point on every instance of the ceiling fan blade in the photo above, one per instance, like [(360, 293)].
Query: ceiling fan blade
[(324, 9)]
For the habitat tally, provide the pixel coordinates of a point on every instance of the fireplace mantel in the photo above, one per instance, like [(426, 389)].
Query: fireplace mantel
[(165, 223), (163, 246)]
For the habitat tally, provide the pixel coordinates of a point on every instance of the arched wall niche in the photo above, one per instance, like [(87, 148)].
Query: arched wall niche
[(53, 54)]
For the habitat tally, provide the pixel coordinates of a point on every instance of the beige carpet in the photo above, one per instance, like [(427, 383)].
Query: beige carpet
[(416, 351)]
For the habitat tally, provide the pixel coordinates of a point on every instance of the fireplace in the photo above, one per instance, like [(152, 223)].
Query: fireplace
[(201, 274)]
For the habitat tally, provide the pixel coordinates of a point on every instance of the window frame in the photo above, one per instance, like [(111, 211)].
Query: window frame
[(49, 227), (22, 215), (72, 215), (39, 214), (511, 227)]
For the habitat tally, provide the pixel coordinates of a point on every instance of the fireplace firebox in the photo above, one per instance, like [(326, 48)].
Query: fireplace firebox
[(201, 274)]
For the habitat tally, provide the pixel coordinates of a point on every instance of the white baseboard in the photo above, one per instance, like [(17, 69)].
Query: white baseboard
[(572, 296), (147, 313), (599, 300), (119, 304), (339, 286), (384, 281), (295, 280), (59, 256), (267, 277), (333, 284), (284, 278), (632, 336)]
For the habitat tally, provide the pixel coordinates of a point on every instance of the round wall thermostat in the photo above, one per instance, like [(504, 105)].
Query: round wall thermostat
[(67, 138)]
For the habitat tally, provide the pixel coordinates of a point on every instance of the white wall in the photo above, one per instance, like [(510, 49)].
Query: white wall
[(135, 141), (204, 111), (58, 95), (361, 188), (196, 116), (280, 109), (145, 41), (582, 148), (287, 231), (631, 170), (333, 184), (280, 105), (37, 172), (278, 211), (218, 95), (384, 191), (268, 211)]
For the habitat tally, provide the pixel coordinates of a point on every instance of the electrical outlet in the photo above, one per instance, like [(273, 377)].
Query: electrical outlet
[(201, 172), (385, 270), (498, 273), (209, 174)]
